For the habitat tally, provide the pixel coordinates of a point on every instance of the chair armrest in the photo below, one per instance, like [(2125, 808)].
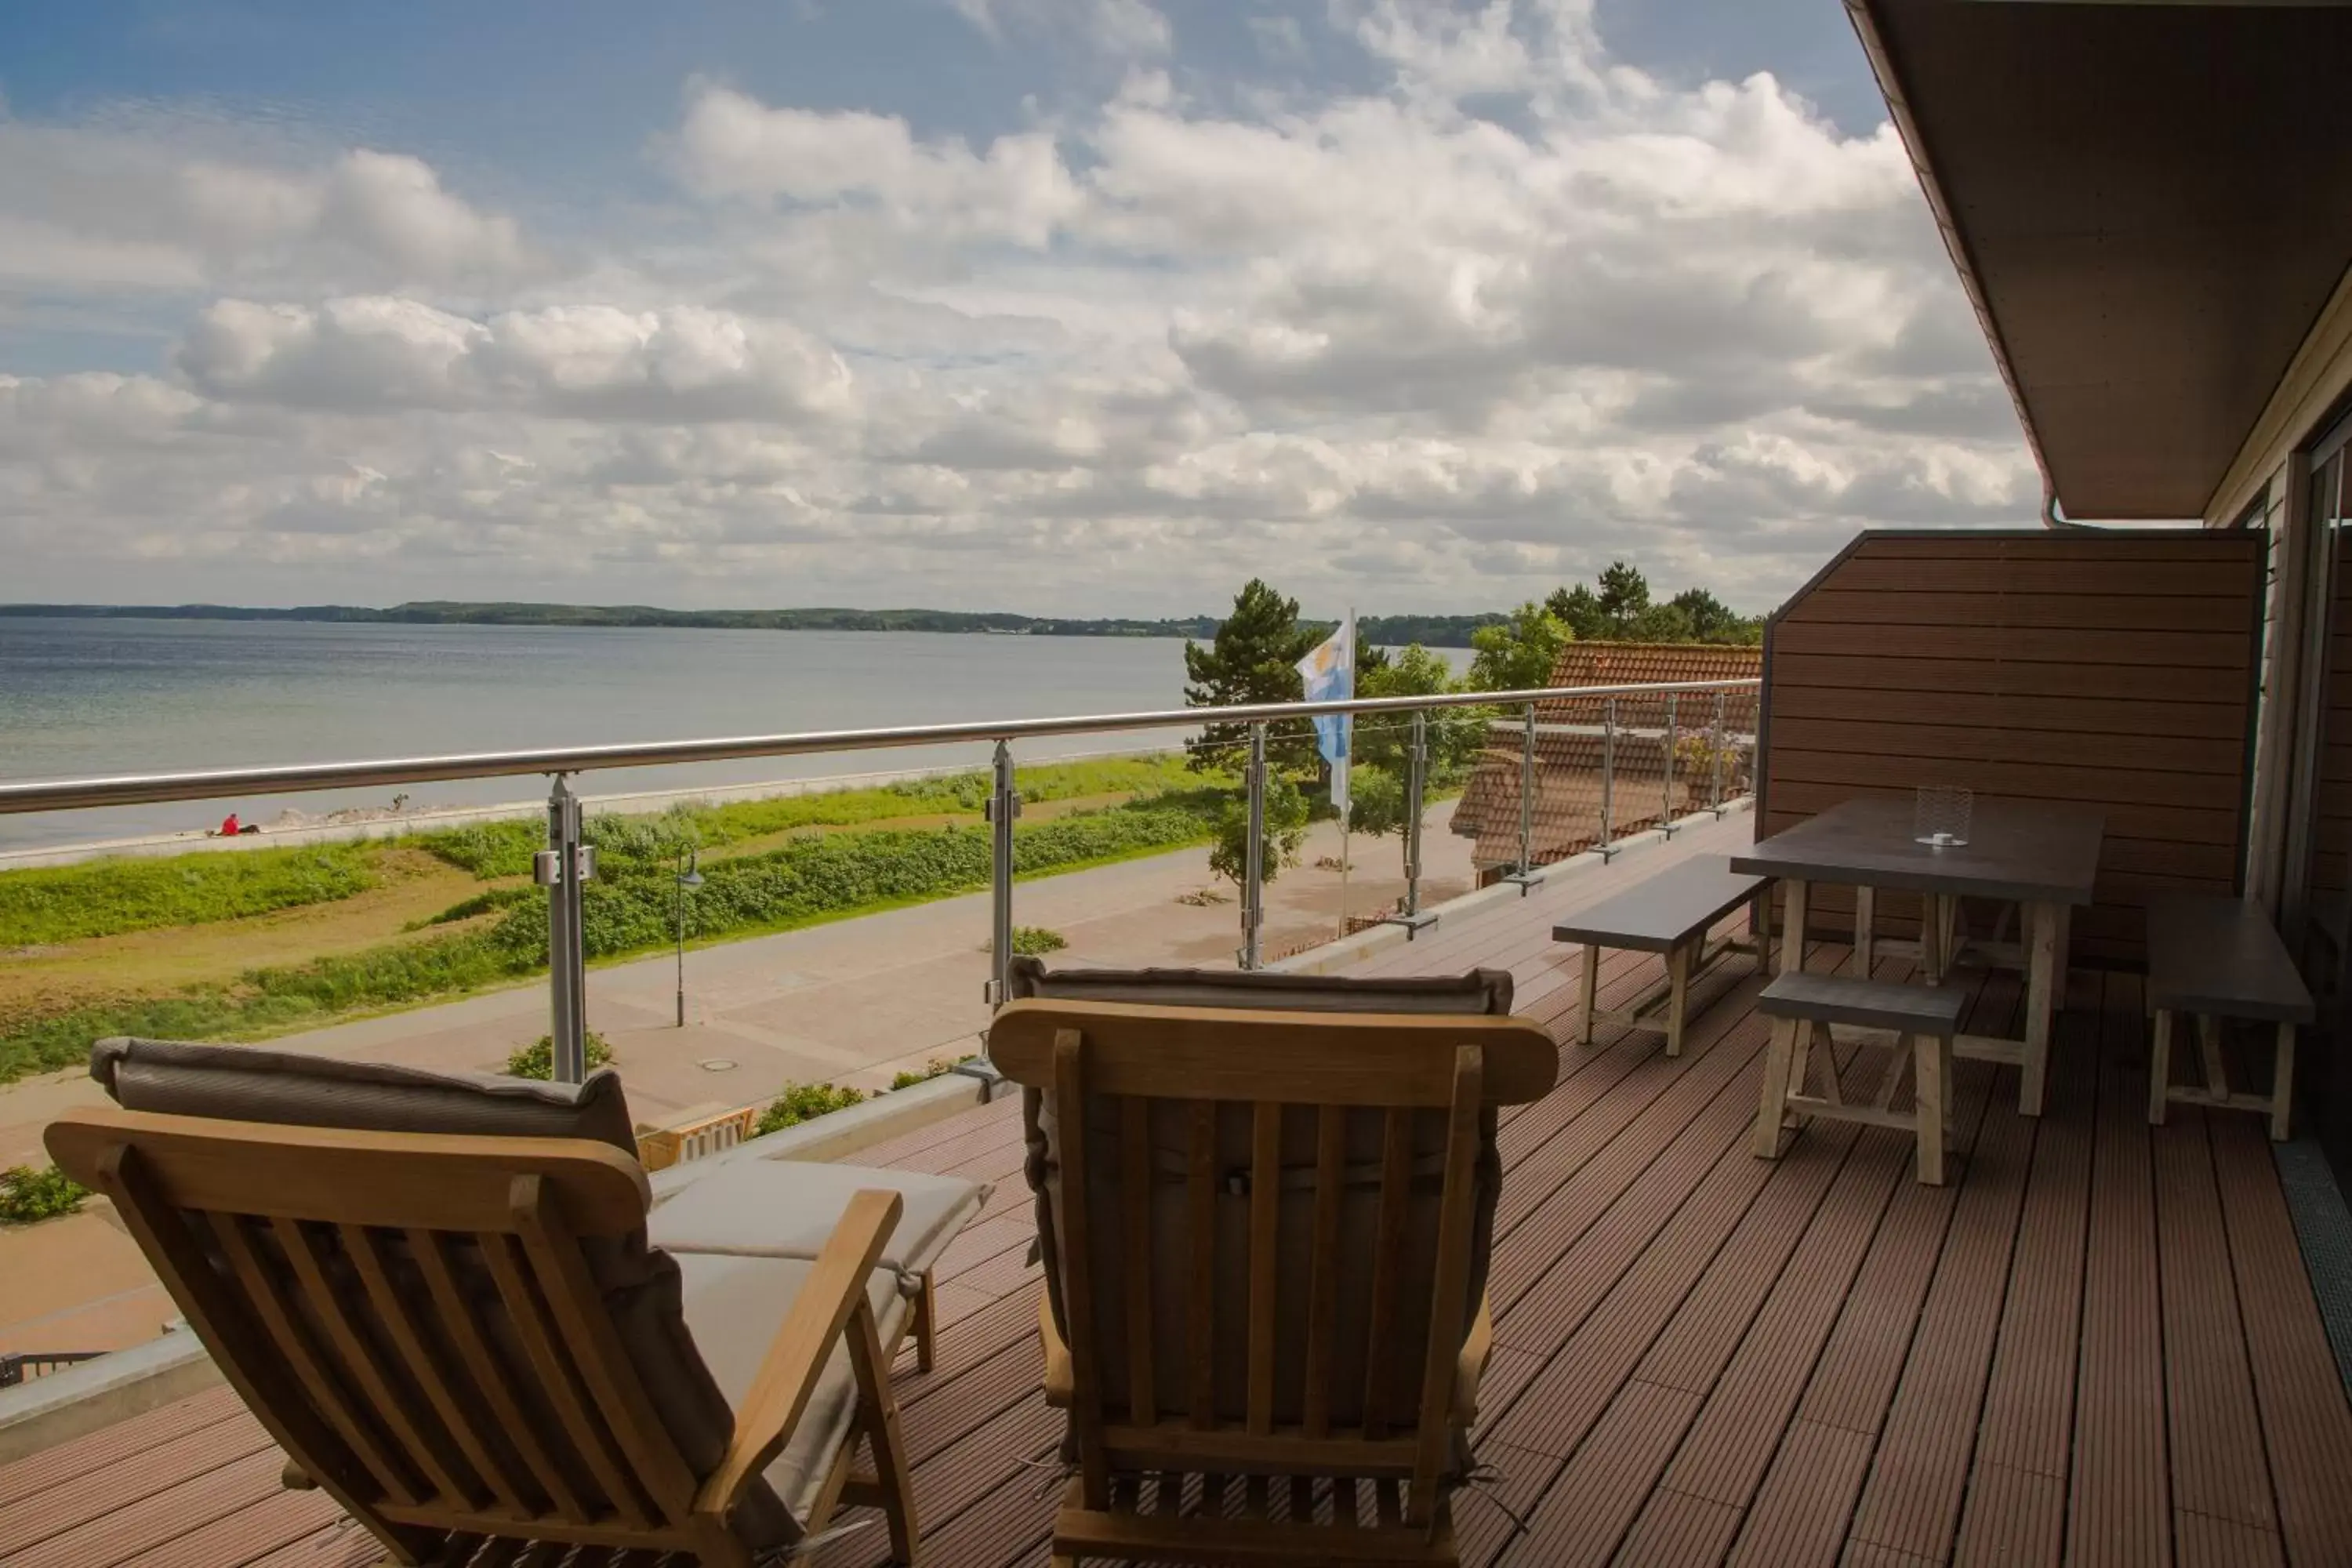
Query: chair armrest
[(1057, 1354), (1471, 1364), (834, 1291)]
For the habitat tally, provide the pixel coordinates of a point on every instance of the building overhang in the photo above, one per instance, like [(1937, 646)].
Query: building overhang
[(2149, 205)]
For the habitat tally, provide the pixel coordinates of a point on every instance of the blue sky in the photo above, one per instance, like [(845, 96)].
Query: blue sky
[(1051, 304)]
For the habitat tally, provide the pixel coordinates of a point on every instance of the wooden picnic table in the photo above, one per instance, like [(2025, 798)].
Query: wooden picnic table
[(2042, 857)]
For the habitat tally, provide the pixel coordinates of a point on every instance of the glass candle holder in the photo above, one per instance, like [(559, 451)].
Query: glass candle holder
[(1940, 815)]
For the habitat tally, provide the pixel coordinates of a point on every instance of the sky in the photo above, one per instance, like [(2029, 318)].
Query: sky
[(1084, 307)]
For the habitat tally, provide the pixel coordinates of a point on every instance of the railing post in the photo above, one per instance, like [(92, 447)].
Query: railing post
[(1254, 852), (1416, 776), (1526, 874), (561, 867), (1715, 749), (1666, 821), (1608, 780), (1004, 805)]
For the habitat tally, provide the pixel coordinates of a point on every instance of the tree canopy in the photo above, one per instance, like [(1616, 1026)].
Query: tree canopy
[(1618, 608)]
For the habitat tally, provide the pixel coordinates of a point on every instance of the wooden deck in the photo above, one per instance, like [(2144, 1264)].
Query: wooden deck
[(2097, 1346)]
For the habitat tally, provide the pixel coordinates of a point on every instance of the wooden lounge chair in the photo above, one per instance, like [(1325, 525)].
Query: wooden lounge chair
[(679, 1315), (465, 1339), (1267, 1237)]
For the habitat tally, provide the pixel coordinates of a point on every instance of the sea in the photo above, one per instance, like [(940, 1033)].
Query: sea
[(83, 698)]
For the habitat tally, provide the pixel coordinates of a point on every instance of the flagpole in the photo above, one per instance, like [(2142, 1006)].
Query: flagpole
[(1351, 755)]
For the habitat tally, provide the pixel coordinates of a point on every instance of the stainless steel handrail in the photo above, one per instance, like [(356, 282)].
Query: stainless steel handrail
[(17, 796), (568, 862)]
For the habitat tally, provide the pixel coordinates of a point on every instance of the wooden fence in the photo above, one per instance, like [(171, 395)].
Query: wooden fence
[(2111, 669)]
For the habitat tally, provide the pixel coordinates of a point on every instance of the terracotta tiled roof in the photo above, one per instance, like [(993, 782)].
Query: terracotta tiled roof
[(1568, 797)]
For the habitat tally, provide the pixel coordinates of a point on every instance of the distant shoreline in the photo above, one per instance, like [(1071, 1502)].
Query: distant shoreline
[(1431, 631)]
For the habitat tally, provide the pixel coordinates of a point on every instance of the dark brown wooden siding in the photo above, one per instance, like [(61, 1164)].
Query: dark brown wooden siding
[(2115, 670)]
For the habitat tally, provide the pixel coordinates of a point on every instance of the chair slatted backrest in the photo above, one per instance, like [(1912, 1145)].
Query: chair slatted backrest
[(414, 1318), (1270, 1228)]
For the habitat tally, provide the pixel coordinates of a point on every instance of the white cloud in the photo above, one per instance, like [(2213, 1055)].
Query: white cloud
[(1114, 28), (734, 146), (1440, 345), (83, 207), (374, 353)]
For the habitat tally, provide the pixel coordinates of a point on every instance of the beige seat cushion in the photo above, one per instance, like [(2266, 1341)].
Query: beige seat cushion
[(734, 1304), (788, 1208)]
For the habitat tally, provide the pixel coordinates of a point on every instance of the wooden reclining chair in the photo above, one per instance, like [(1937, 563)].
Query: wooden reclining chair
[(1265, 1236), (465, 1339)]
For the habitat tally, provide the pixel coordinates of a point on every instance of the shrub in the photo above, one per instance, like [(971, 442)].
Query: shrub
[(910, 1078), (1031, 941), (802, 1103), (27, 1195), (537, 1059)]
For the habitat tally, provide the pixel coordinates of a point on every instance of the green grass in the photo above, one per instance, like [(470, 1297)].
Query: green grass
[(628, 908), (495, 849), (108, 897), (27, 1195)]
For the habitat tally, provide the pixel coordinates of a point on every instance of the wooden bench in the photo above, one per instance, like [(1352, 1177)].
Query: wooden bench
[(1924, 1018), (2213, 957), (1670, 913)]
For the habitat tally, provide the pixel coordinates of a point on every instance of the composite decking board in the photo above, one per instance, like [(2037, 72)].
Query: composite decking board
[(1677, 1530), (1741, 1475), (2215, 1430), (2307, 1422), (1845, 1384), (1599, 1492), (252, 1531), (1619, 1286), (88, 1497), (1854, 1378), (2015, 1508), (1911, 1503), (1484, 1530), (1800, 1512), (1542, 1287), (2015, 1519), (337, 1546), (2201, 1541), (951, 1484), (1722, 1459), (2119, 1507), (122, 1533), (116, 1444), (1584, 1127)]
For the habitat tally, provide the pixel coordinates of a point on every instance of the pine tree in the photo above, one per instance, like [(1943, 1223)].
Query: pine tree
[(1253, 658)]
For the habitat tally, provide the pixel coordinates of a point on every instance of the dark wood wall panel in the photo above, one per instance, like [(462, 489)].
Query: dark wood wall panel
[(2105, 669)]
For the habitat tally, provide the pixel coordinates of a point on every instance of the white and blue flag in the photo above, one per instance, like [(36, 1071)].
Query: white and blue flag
[(1330, 672)]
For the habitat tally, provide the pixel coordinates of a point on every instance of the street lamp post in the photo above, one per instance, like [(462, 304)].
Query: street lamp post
[(688, 879)]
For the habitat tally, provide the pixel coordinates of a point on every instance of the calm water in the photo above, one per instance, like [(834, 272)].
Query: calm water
[(90, 697)]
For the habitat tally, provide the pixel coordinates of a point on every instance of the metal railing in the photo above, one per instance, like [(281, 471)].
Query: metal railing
[(22, 1366), (567, 862)]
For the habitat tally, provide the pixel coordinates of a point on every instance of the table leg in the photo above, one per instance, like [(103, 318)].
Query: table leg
[(2282, 1083), (1592, 986), (1866, 921), (1793, 929), (2042, 950), (1932, 944), (1760, 928), (2160, 1067), (1678, 966)]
